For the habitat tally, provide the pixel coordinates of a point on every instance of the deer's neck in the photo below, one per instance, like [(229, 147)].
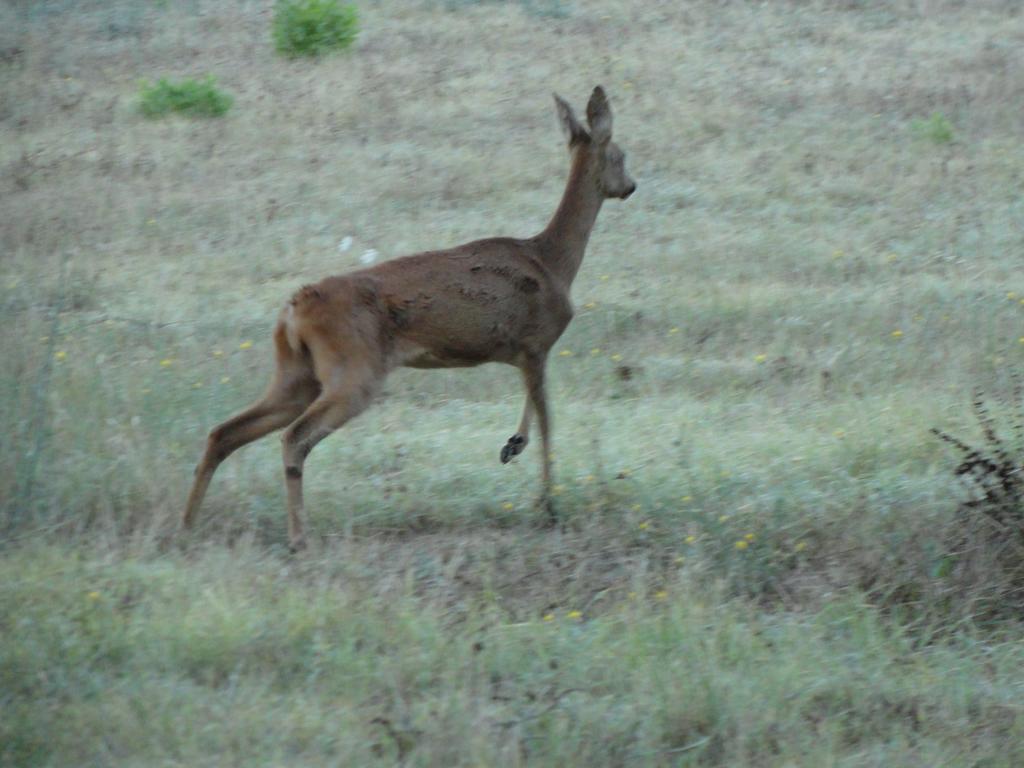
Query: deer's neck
[(565, 237)]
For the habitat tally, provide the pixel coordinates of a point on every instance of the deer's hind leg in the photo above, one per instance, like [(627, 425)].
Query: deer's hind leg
[(292, 390), (350, 391)]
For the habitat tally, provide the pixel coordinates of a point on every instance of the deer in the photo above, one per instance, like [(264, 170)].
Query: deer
[(501, 299)]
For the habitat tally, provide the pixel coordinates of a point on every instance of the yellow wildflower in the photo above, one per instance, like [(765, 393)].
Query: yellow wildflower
[(661, 594), (672, 331), (566, 353), (595, 352), (741, 544), (690, 539), (93, 596), (644, 525), (760, 358), (549, 617), (245, 345), (749, 537), (225, 379), (897, 333), (605, 277), (800, 546), (61, 355), (508, 505), (687, 499), (616, 357), (573, 615), (166, 362)]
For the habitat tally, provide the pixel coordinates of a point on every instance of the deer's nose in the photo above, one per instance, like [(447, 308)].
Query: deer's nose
[(629, 190)]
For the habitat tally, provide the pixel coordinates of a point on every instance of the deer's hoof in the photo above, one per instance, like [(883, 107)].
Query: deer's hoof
[(546, 506), (297, 545), (553, 519), (513, 447)]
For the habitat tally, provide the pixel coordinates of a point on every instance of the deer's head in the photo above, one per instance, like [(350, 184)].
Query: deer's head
[(606, 161)]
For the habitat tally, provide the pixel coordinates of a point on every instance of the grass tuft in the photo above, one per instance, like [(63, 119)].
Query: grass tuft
[(936, 129), (197, 98), (314, 27)]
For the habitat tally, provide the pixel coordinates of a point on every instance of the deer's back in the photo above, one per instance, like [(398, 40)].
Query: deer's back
[(489, 300)]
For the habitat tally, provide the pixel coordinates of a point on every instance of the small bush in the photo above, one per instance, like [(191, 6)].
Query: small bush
[(936, 128), (993, 470), (313, 27), (201, 98), (986, 558)]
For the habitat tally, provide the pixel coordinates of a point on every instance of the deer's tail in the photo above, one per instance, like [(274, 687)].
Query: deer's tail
[(290, 316)]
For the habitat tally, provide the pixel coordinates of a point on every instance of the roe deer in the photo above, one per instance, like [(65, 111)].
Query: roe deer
[(497, 300)]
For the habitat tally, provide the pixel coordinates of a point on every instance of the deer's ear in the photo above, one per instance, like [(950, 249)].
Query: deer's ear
[(574, 132), (599, 116)]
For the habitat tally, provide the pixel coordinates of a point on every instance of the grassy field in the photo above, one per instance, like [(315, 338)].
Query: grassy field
[(762, 561)]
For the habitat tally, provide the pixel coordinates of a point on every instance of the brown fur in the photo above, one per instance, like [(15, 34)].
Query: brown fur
[(500, 300)]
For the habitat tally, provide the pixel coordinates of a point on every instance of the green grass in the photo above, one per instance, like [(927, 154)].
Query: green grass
[(199, 98), (765, 333), (936, 128), (226, 653), (314, 27)]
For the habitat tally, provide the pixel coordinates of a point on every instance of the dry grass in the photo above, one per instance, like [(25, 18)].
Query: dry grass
[(804, 284)]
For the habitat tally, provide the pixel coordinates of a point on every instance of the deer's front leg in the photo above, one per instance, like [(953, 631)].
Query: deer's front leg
[(533, 372), (518, 442)]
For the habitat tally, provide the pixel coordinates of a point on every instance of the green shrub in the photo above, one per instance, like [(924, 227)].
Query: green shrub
[(313, 27), (936, 128), (193, 97)]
